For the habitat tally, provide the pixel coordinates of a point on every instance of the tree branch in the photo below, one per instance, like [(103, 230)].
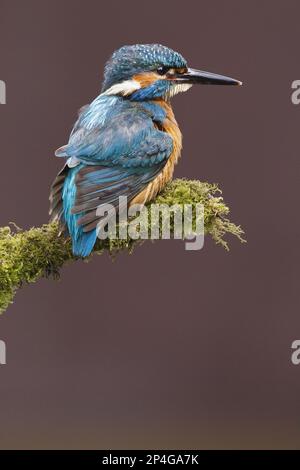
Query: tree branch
[(26, 256)]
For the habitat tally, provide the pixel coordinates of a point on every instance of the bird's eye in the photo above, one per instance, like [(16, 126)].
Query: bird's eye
[(162, 70)]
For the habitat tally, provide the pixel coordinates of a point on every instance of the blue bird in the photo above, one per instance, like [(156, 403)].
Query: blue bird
[(126, 142)]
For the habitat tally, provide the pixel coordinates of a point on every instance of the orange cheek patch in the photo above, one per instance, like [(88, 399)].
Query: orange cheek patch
[(146, 79)]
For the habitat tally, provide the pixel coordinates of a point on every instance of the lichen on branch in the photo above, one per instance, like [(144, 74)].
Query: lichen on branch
[(27, 255)]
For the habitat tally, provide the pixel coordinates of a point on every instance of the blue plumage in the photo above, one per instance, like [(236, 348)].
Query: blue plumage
[(125, 136), (124, 152)]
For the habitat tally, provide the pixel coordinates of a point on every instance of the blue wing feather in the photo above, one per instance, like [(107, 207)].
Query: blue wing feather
[(118, 156)]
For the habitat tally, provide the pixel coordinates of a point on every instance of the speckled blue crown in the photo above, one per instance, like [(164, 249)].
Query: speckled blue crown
[(130, 60)]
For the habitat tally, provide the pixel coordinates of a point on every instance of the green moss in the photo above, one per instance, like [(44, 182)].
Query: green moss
[(25, 256)]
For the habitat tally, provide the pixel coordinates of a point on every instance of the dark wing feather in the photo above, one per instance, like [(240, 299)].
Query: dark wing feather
[(97, 185), (55, 198)]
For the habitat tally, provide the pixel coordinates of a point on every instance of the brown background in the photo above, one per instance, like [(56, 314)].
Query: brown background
[(165, 348)]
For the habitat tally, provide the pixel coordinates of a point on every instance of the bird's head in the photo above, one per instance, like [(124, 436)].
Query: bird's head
[(149, 71)]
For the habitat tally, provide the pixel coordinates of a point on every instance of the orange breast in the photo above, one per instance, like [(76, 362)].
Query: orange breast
[(171, 127)]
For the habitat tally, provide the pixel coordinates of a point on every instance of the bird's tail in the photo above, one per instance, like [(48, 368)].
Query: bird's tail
[(84, 243), (62, 197)]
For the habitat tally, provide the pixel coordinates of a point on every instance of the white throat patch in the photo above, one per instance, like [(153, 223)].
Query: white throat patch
[(178, 88)]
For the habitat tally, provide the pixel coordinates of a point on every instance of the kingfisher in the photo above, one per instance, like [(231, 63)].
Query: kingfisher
[(124, 143)]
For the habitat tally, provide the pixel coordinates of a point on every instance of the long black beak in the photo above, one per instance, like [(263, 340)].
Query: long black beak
[(205, 78)]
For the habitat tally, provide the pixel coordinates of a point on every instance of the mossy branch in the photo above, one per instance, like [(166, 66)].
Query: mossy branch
[(26, 256)]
